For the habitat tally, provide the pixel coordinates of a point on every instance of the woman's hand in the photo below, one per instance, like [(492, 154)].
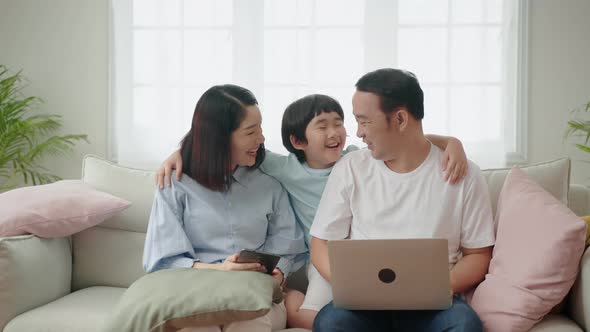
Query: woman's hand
[(454, 161), (231, 264), (163, 173)]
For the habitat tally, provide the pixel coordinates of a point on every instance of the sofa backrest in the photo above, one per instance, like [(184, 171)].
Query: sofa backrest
[(553, 176), (110, 254)]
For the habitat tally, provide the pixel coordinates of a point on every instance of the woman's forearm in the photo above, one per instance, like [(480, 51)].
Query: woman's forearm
[(207, 266)]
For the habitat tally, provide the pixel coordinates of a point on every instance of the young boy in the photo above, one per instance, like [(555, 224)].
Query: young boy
[(314, 134)]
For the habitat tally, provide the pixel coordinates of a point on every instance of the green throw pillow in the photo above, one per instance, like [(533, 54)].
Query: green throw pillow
[(168, 300)]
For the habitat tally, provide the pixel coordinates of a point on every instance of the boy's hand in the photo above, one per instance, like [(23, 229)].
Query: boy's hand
[(279, 276), (454, 161), (163, 173)]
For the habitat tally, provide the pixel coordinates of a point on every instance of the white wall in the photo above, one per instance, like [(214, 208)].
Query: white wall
[(559, 78), (62, 46)]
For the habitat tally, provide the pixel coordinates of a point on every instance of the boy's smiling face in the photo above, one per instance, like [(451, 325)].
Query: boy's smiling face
[(326, 137)]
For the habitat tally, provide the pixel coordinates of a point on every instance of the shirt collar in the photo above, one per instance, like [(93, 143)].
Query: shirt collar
[(241, 175)]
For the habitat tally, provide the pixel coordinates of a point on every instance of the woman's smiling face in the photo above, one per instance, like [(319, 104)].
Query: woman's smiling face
[(247, 138)]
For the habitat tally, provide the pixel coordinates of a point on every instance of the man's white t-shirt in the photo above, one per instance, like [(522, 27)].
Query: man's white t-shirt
[(364, 199)]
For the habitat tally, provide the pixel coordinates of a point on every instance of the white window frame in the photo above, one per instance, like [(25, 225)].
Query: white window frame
[(248, 66)]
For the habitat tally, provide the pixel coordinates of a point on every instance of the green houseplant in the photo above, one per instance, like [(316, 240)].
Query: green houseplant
[(27, 137), (580, 127)]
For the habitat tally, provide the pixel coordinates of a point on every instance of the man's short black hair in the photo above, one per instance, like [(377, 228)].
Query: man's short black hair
[(300, 113), (396, 88)]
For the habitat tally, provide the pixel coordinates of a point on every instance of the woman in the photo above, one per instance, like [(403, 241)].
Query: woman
[(225, 203)]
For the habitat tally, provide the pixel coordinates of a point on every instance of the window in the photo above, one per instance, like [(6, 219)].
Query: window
[(466, 54)]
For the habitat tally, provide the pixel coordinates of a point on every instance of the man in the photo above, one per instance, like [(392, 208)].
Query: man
[(394, 189)]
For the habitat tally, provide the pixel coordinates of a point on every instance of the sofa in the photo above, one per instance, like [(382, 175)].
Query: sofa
[(71, 284)]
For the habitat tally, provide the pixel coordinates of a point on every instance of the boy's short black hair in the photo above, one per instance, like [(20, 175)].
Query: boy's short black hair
[(300, 113)]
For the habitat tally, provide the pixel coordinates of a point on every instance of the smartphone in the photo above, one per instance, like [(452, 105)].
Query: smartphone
[(269, 261)]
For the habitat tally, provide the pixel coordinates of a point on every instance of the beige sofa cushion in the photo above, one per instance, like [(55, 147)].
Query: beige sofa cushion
[(137, 186), (106, 257), (579, 199), (82, 311), (556, 323), (553, 176), (110, 254), (33, 271)]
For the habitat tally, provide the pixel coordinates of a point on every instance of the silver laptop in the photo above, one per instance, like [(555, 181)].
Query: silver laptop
[(400, 274)]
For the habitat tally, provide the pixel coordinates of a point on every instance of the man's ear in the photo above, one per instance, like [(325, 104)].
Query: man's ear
[(401, 118), (297, 144)]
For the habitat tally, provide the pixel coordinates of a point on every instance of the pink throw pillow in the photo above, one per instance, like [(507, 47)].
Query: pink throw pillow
[(56, 210), (539, 243)]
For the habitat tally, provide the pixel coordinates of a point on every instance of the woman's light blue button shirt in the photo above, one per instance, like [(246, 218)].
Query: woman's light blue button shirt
[(189, 222)]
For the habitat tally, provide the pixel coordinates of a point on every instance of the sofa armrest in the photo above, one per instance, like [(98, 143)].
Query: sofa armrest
[(33, 272)]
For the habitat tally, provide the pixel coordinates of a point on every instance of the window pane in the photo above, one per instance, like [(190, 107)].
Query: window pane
[(423, 51), (339, 57), (208, 13), (492, 55), (435, 110), (156, 13), (155, 106), (492, 115), (287, 12), (287, 56), (466, 54), (208, 57), (334, 12), (466, 112), (190, 97), (493, 11), (423, 11), (276, 99), (156, 57), (467, 11), (154, 110), (280, 12)]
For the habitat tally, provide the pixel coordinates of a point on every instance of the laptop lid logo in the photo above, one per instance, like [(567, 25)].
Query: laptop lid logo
[(387, 275)]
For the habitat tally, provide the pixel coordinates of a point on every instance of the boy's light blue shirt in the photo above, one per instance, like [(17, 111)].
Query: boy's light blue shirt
[(304, 185)]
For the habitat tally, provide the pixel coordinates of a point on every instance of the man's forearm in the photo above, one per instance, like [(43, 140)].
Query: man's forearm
[(469, 271), (319, 257)]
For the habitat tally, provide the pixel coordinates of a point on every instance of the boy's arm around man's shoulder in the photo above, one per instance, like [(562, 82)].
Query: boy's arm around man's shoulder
[(274, 164)]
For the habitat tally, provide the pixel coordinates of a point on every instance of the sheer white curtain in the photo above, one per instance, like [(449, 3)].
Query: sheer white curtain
[(467, 55)]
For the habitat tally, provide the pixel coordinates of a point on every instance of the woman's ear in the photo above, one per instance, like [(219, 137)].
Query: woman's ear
[(297, 144)]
